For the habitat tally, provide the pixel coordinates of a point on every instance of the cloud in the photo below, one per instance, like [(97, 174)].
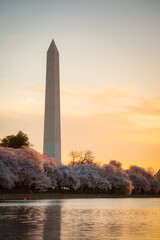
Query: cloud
[(90, 101), (26, 105), (112, 122), (67, 92), (16, 36), (97, 95), (111, 99), (108, 94), (37, 88), (146, 106), (111, 115), (145, 114), (5, 80)]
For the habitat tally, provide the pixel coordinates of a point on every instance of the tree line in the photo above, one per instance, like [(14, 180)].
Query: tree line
[(26, 169)]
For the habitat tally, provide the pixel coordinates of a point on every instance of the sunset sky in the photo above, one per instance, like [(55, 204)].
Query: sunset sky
[(109, 75)]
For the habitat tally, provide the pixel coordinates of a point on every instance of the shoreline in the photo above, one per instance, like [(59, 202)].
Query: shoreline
[(45, 196)]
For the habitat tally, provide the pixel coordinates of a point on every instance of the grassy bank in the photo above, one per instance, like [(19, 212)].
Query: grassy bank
[(39, 196)]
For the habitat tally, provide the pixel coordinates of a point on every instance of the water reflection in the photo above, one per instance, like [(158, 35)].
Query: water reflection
[(30, 222), (52, 222), (76, 219)]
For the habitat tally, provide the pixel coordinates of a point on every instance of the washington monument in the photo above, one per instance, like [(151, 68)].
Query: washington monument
[(52, 126)]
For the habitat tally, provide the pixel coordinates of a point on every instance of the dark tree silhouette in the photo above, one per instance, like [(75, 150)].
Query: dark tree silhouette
[(78, 158), (15, 141)]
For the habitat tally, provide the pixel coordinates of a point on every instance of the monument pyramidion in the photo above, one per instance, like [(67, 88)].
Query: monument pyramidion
[(52, 125)]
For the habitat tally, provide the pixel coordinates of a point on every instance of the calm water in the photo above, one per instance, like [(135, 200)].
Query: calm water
[(74, 219)]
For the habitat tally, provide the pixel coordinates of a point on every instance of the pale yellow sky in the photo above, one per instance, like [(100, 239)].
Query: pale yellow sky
[(110, 75)]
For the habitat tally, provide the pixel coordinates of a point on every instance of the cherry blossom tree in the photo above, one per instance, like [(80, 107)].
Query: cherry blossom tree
[(140, 183), (118, 177), (24, 168), (92, 177), (157, 176), (144, 179), (66, 178)]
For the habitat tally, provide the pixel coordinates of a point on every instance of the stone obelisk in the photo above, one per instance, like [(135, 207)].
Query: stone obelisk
[(52, 126)]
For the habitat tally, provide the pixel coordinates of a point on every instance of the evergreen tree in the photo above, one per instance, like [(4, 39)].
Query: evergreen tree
[(15, 141)]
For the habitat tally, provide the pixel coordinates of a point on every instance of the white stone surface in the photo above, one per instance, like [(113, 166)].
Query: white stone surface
[(52, 126)]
